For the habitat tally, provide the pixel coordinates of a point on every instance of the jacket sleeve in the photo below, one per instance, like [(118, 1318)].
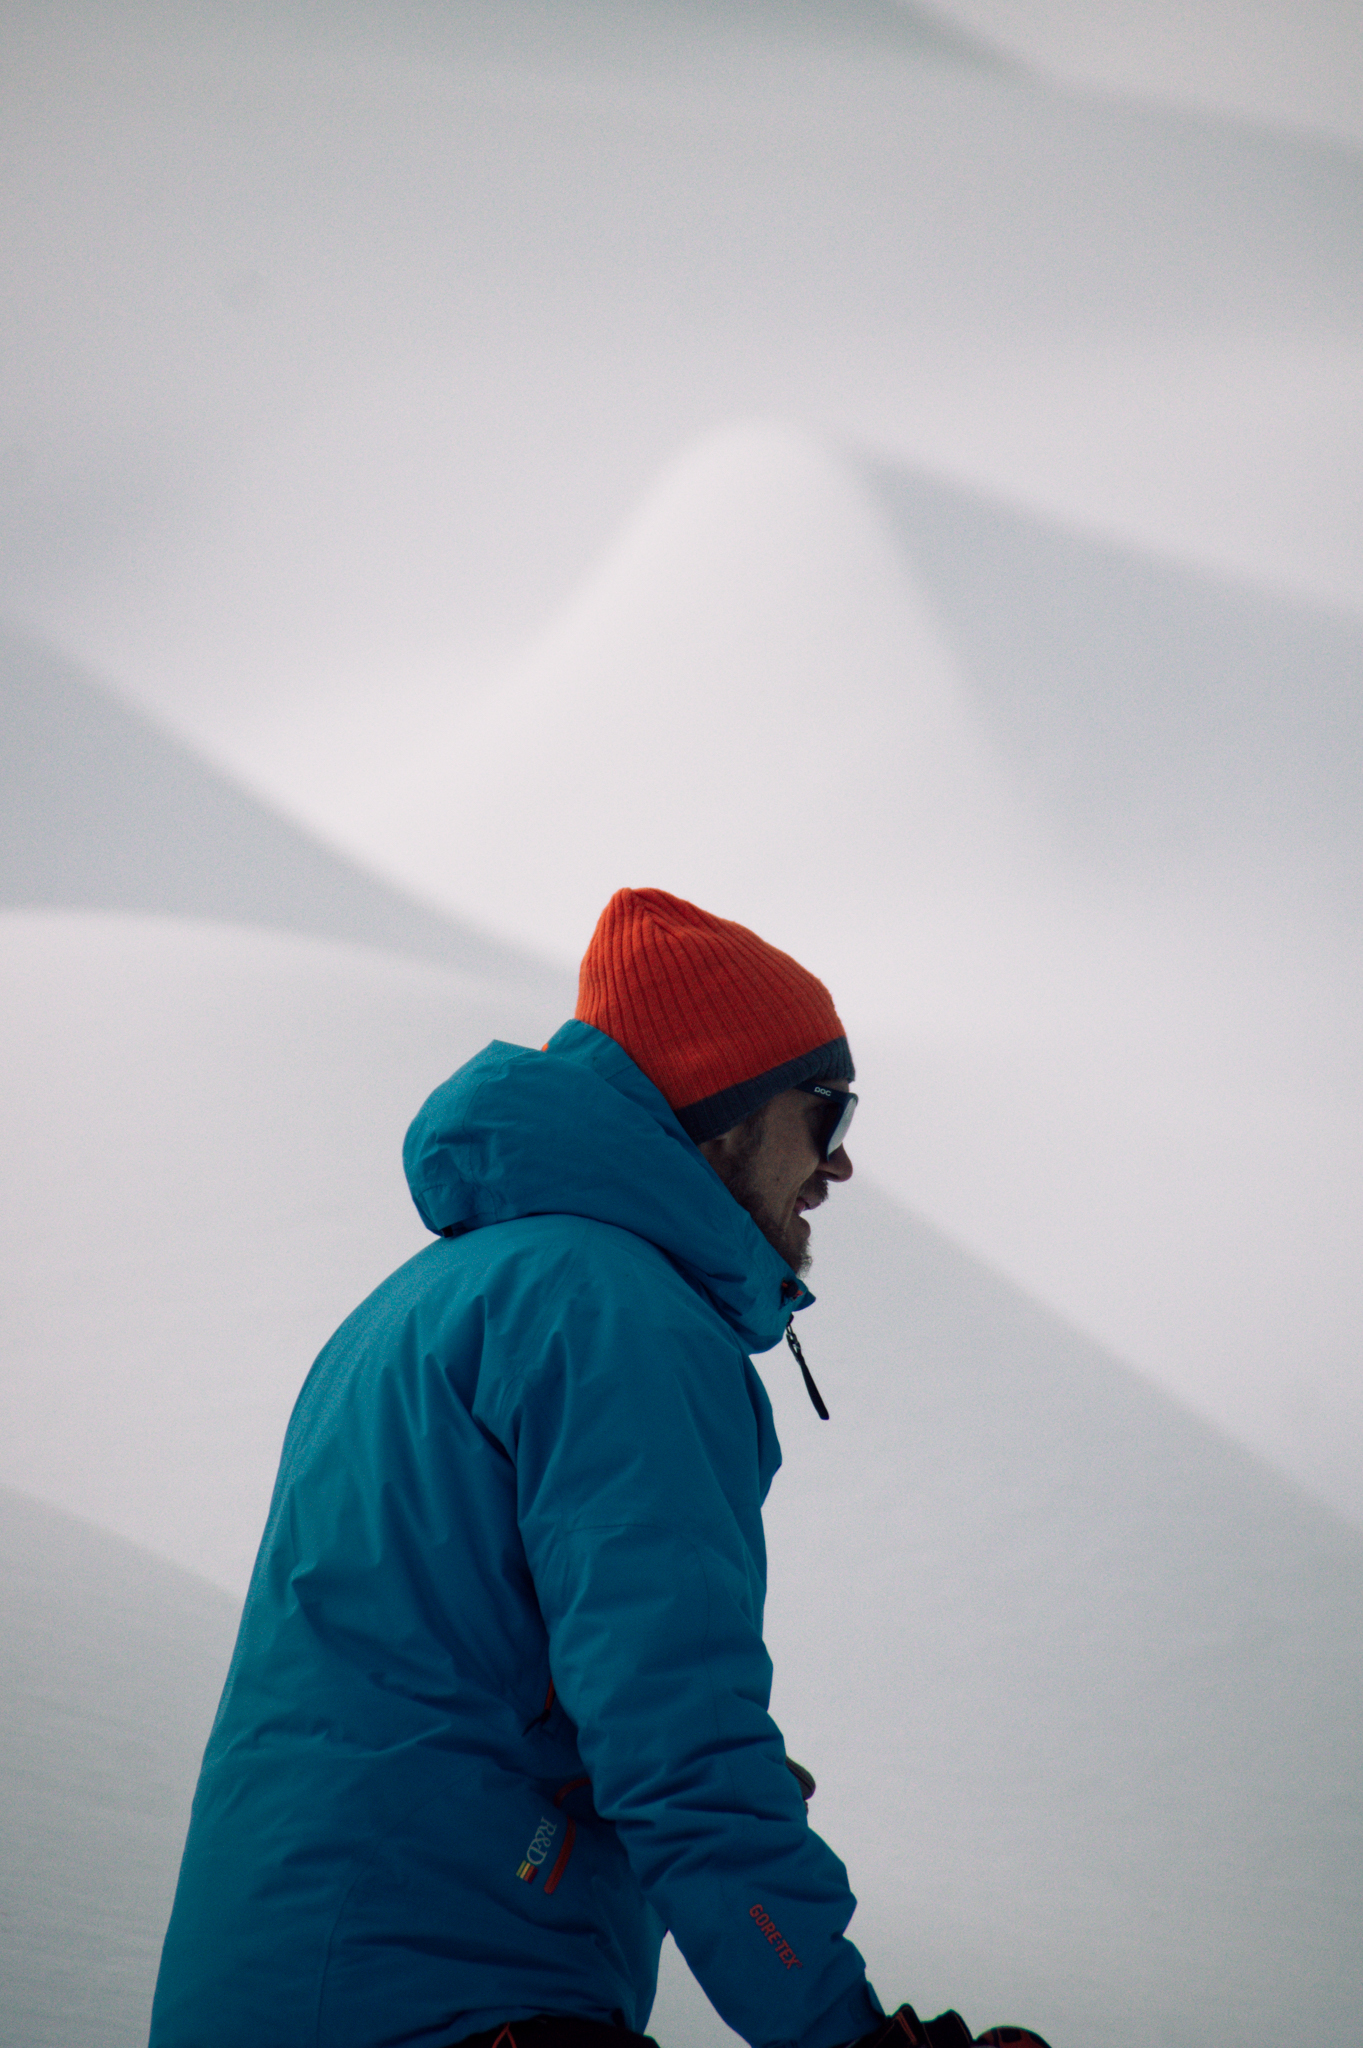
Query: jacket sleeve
[(636, 1439)]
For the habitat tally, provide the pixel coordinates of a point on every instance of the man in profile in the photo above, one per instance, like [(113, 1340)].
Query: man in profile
[(497, 1715)]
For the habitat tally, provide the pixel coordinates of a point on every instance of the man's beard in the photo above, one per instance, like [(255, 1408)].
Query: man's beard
[(740, 1179)]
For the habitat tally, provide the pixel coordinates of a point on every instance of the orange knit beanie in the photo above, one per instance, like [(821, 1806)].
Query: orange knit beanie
[(718, 1020)]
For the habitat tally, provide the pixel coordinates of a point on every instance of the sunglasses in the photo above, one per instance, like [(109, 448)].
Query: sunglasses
[(840, 1104)]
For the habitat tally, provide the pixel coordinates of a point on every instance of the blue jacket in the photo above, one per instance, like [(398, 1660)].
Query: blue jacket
[(497, 1715)]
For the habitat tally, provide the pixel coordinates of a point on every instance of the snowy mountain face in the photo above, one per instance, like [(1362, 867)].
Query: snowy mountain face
[(203, 1177), (808, 457), (328, 396), (1071, 1665), (113, 1665), (1295, 68), (101, 810)]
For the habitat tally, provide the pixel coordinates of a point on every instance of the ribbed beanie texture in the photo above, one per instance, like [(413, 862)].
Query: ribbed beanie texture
[(719, 1021)]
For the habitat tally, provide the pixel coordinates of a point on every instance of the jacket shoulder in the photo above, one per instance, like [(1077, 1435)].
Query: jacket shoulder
[(578, 1258)]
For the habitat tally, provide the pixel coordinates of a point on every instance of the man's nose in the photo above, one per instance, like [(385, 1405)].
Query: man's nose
[(837, 1166)]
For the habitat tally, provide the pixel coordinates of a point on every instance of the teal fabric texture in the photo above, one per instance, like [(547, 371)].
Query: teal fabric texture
[(497, 1716)]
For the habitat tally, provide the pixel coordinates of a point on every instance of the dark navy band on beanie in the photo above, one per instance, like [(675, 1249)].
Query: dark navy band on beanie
[(716, 1113)]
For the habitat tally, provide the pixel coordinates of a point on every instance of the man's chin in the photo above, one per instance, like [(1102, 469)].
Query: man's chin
[(789, 1237), (792, 1241)]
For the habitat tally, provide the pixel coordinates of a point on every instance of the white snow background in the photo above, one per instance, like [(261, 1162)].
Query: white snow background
[(892, 474)]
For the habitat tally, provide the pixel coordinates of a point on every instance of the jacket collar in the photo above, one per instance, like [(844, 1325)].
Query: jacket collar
[(580, 1130)]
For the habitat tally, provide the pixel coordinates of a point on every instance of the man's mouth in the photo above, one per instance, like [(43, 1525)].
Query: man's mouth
[(813, 1201)]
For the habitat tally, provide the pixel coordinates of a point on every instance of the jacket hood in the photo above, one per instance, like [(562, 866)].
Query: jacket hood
[(579, 1130)]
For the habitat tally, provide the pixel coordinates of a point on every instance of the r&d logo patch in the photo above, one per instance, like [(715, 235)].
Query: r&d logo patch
[(540, 1846)]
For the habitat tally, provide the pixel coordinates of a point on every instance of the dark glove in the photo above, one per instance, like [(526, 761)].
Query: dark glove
[(904, 2029), (803, 1778)]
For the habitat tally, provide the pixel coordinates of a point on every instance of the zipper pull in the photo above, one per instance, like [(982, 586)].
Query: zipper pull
[(815, 1396)]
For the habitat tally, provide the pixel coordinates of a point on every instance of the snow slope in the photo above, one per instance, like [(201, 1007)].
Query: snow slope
[(203, 1176), (100, 809), (322, 394), (1081, 1680), (113, 1665), (1282, 66)]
